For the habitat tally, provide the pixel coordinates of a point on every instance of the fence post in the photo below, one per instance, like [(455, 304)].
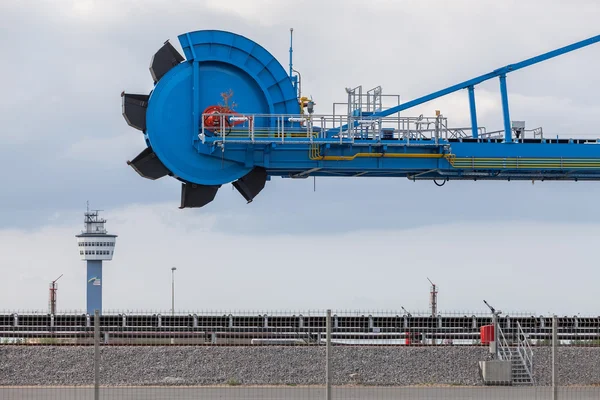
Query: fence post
[(328, 357), (554, 358), (96, 355)]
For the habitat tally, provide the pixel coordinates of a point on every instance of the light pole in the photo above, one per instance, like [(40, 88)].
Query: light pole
[(173, 269)]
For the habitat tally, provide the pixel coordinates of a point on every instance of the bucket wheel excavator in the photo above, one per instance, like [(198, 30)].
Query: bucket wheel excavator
[(226, 111)]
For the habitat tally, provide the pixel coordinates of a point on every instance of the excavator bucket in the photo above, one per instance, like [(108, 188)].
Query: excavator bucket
[(134, 109), (165, 58), (148, 165), (251, 184), (193, 195)]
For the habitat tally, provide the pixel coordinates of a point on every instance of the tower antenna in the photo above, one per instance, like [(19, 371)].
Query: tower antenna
[(296, 80), (291, 49), (433, 298)]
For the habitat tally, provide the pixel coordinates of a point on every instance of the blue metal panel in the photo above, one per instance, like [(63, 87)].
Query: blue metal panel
[(525, 160), (474, 128), (94, 286), (553, 53), (505, 111)]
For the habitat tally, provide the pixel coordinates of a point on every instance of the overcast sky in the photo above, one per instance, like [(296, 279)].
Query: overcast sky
[(359, 243)]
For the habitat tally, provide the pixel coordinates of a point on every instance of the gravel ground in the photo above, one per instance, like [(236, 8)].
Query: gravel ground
[(164, 365), (577, 366)]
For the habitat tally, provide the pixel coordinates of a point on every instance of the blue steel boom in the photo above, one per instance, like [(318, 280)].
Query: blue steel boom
[(228, 112)]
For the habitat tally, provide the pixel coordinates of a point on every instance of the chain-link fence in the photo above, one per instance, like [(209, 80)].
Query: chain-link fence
[(288, 355)]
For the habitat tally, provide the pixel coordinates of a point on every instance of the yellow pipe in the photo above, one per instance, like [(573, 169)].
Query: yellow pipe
[(377, 155), (527, 159), (526, 162), (523, 165), (542, 166), (501, 163), (477, 163), (518, 163), (315, 154)]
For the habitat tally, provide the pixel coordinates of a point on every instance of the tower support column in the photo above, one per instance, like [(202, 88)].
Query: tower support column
[(94, 286)]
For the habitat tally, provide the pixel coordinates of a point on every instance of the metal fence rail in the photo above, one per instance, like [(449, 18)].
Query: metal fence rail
[(329, 354)]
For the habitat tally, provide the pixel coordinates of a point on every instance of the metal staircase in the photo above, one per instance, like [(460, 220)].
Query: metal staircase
[(520, 356)]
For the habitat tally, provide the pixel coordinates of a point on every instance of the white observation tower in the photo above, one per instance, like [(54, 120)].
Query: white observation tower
[(95, 246)]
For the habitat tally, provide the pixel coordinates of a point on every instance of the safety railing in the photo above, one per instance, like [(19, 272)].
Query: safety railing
[(504, 351), (368, 101), (525, 351), (537, 133), (222, 128)]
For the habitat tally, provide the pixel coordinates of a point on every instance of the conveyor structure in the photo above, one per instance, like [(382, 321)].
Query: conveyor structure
[(123, 327), (228, 112)]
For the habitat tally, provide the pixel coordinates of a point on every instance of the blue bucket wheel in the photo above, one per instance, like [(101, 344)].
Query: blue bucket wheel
[(218, 67)]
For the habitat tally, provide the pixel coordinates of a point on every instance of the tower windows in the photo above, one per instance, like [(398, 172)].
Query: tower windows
[(104, 244)]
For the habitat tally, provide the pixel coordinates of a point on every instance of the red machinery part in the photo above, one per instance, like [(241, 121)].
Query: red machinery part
[(213, 122), (487, 334)]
